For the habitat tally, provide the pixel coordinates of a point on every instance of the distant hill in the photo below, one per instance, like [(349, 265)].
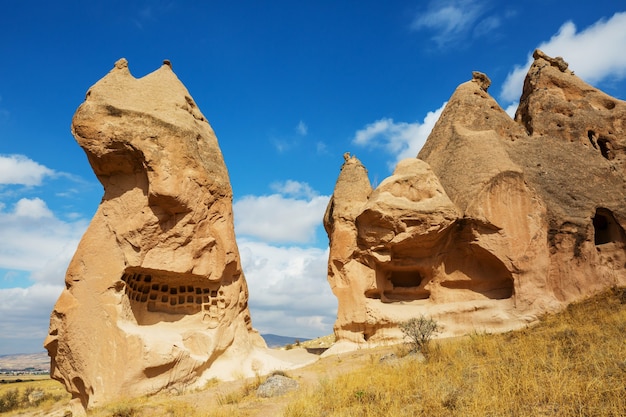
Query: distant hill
[(274, 341), (19, 362)]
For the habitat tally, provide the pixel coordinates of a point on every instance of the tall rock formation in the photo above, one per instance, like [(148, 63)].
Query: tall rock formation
[(495, 223), (155, 297)]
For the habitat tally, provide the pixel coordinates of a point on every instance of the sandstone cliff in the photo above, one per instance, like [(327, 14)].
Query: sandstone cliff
[(496, 222), (155, 297)]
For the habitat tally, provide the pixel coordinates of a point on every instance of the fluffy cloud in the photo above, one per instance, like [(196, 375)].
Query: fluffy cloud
[(281, 217), (34, 253), (289, 293), (38, 239), (294, 189), (404, 140), (591, 53), (20, 170), (25, 316)]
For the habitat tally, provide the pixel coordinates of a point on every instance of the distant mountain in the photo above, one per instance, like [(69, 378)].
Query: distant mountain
[(274, 341), (19, 362)]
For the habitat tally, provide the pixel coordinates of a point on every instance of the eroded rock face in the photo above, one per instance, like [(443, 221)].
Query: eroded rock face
[(498, 220), (155, 295)]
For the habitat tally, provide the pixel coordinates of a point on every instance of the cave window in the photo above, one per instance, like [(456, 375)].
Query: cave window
[(592, 138), (605, 148), (405, 279), (605, 227)]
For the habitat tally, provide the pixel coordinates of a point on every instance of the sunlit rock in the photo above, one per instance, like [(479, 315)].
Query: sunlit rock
[(495, 223)]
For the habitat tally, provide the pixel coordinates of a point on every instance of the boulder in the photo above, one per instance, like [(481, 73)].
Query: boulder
[(276, 386), (155, 296), (496, 222)]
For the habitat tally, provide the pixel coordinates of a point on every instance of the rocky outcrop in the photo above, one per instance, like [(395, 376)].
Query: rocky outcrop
[(495, 223), (155, 297)]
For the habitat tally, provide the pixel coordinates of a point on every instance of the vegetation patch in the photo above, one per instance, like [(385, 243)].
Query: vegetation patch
[(571, 364)]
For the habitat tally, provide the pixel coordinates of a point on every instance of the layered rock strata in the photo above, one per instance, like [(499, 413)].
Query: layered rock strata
[(155, 296), (496, 222)]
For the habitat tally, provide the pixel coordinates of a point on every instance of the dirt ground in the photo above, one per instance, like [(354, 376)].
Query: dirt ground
[(213, 396), (308, 377)]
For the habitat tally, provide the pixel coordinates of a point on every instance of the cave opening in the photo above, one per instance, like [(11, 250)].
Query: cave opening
[(400, 284), (606, 148), (405, 279), (160, 296), (606, 228)]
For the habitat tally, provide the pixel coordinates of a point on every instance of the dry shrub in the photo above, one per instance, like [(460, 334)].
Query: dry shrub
[(419, 331)]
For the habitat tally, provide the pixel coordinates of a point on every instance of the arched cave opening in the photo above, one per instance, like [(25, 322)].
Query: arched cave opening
[(472, 268), (606, 229), (604, 144), (401, 284), (606, 148), (592, 138), (405, 279)]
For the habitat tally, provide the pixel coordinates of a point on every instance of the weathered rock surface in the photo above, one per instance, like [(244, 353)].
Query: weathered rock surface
[(498, 220), (155, 297), (276, 386)]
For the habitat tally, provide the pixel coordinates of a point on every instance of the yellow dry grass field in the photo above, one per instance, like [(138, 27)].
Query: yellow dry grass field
[(570, 364)]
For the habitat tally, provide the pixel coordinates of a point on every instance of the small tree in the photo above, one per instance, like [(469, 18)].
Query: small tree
[(419, 331)]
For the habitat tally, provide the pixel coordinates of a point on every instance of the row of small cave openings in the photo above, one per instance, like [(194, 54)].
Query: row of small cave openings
[(142, 288)]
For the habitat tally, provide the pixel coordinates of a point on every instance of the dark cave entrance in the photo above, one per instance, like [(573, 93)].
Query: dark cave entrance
[(606, 229)]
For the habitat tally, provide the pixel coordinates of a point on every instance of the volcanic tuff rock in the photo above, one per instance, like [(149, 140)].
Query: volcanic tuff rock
[(495, 223), (155, 297)]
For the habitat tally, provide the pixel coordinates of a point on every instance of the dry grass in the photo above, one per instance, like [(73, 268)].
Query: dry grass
[(572, 364), (45, 395)]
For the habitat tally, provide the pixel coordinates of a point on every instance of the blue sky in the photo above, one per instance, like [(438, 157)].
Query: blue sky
[(288, 88)]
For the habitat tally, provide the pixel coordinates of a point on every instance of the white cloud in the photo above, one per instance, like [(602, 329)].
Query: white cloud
[(591, 53), (25, 316), (449, 19), (34, 208), (294, 189), (511, 109), (404, 140), (289, 292), (20, 170), (36, 239), (302, 128), (276, 218)]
